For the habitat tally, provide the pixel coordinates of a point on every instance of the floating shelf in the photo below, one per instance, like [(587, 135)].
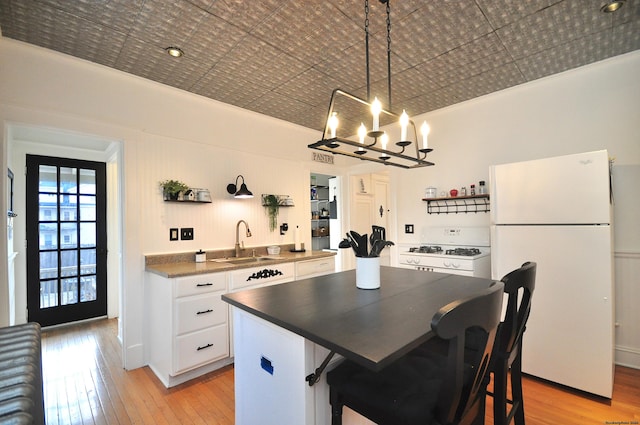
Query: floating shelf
[(186, 201), (283, 200), (459, 204)]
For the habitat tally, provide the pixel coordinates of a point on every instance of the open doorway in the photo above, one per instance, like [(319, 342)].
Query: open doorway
[(326, 215), (32, 140)]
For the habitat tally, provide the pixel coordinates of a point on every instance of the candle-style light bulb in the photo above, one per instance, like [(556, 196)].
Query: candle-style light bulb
[(362, 131), (333, 124), (384, 139), (404, 122), (424, 130), (376, 108)]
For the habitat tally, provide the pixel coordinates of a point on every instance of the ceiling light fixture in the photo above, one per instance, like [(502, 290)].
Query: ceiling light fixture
[(612, 6), (348, 113), (176, 52), (242, 193)]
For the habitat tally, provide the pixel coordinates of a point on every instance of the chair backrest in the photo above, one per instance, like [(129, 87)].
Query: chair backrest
[(518, 307), (460, 394)]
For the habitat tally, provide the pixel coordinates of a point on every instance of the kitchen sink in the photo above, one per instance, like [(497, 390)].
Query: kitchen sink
[(243, 260)]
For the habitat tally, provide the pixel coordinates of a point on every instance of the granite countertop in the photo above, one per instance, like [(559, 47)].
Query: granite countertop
[(183, 264)]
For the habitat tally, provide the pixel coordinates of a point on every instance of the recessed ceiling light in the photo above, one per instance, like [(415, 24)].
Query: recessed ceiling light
[(176, 52), (612, 6)]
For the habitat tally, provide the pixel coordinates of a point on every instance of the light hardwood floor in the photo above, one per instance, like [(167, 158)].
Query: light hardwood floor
[(85, 383)]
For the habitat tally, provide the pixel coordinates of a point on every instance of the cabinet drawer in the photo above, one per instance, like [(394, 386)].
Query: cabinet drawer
[(315, 267), (200, 284), (199, 312), (201, 347), (261, 276)]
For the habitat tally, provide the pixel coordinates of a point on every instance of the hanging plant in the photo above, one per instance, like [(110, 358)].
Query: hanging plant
[(272, 205)]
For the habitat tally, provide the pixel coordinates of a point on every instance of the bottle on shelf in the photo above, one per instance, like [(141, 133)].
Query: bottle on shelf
[(482, 189)]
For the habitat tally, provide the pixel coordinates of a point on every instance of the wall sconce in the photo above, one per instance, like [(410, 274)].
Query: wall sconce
[(242, 193)]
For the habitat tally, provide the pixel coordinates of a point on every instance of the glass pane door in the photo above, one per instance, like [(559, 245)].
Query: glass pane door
[(66, 233)]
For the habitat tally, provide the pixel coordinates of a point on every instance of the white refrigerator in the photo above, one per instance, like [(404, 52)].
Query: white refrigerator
[(557, 212)]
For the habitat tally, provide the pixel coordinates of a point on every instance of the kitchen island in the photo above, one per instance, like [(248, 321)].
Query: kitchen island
[(283, 333)]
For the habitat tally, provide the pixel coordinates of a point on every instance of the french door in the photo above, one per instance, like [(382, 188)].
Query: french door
[(66, 240)]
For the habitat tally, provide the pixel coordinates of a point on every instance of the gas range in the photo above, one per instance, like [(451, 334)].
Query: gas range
[(458, 250)]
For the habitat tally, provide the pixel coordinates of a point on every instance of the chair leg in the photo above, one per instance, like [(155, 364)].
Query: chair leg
[(500, 393), (336, 407), (516, 390)]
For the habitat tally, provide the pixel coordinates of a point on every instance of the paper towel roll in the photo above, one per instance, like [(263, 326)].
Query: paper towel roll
[(296, 239)]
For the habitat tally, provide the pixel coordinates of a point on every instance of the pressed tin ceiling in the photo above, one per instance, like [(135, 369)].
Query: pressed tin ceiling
[(283, 58)]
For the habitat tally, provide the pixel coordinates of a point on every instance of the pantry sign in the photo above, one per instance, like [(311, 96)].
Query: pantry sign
[(322, 157)]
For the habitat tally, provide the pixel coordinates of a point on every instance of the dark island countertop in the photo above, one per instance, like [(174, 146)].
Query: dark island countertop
[(371, 327)]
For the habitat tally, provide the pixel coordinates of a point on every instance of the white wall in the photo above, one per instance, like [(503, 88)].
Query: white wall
[(164, 133), (167, 133), (591, 108)]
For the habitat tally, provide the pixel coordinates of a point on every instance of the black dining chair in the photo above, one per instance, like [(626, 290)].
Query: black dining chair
[(426, 389), (507, 352)]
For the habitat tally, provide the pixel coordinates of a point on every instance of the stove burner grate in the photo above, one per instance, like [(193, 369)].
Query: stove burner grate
[(467, 252), (426, 249)]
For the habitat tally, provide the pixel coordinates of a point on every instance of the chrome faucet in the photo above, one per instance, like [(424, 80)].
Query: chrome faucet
[(238, 235)]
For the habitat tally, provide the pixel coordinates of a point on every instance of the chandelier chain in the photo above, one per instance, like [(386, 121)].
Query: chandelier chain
[(366, 42), (389, 53)]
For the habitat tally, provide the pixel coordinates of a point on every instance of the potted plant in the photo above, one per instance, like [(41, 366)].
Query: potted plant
[(272, 203), (172, 188)]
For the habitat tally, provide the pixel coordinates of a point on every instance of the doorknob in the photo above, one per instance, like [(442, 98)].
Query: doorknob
[(381, 210)]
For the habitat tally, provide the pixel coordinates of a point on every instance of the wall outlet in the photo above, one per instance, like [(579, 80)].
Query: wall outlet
[(186, 233), (408, 228), (173, 234)]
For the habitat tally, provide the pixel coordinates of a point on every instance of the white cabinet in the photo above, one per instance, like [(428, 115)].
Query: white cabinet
[(188, 326), (312, 268)]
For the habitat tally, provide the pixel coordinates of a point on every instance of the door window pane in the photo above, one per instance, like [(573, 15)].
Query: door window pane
[(48, 264), (87, 181), (70, 230), (68, 207), (87, 235), (48, 179), (48, 293), (68, 180), (87, 208), (48, 235), (69, 263), (48, 205), (87, 261), (69, 291), (87, 288)]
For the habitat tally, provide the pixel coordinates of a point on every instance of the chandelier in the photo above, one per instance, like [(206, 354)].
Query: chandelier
[(345, 132)]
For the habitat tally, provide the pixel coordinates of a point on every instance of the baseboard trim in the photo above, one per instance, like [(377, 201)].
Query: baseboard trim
[(627, 356)]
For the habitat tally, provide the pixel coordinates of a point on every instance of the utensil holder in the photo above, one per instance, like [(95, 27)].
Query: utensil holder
[(368, 272)]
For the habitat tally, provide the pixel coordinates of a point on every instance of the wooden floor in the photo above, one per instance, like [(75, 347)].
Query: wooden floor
[(85, 383)]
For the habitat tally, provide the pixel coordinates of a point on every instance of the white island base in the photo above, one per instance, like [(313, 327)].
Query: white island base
[(271, 364)]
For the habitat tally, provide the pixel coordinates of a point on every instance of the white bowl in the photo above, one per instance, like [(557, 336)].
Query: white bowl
[(273, 250)]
